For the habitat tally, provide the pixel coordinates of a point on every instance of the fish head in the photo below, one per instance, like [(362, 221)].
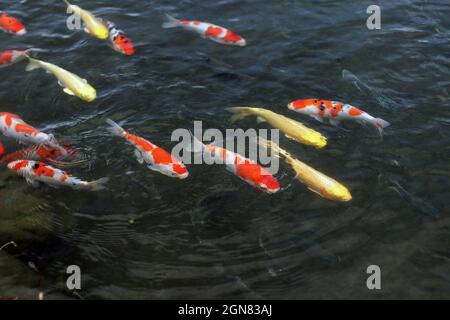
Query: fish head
[(339, 193), (12, 24), (88, 93), (304, 105), (180, 171), (269, 183), (18, 165), (235, 39), (123, 44)]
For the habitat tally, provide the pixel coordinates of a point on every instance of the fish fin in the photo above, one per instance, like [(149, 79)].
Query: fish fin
[(317, 118), (196, 146), (98, 185), (171, 22), (33, 65), (260, 120), (239, 113), (67, 2), (289, 137), (61, 84), (381, 124), (86, 30), (335, 122), (138, 156), (33, 183), (68, 91), (115, 128), (84, 80)]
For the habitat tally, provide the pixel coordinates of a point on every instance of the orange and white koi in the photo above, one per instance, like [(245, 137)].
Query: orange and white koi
[(14, 127), (12, 25), (40, 153), (207, 31), (9, 57), (156, 158), (36, 172), (246, 169), (335, 112), (119, 40)]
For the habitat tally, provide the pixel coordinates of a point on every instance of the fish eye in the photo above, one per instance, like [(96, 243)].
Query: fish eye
[(36, 166), (322, 107)]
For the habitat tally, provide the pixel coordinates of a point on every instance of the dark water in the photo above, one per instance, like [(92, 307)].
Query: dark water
[(212, 236)]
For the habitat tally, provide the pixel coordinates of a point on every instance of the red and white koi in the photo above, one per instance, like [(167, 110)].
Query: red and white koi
[(40, 153), (14, 127), (335, 112), (207, 31), (119, 40), (12, 25), (36, 172), (246, 169), (9, 57), (156, 158)]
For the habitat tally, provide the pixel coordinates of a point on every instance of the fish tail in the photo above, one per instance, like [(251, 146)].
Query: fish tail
[(171, 22), (98, 185), (67, 2), (240, 113), (33, 64), (115, 128), (381, 124)]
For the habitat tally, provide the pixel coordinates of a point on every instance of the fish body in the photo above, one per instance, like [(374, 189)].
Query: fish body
[(36, 172), (207, 30), (292, 129), (335, 112), (9, 57), (72, 84), (119, 40), (14, 127), (11, 25), (40, 153), (246, 169), (316, 181), (93, 25), (156, 158)]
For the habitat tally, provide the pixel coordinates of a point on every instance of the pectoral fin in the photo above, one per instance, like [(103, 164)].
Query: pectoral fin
[(69, 92), (318, 118), (86, 30), (334, 122), (33, 183), (260, 120), (139, 156), (289, 137)]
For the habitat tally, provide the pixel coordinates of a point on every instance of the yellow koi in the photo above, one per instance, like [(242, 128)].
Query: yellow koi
[(93, 25)]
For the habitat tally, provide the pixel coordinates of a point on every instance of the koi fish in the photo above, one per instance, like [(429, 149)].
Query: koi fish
[(10, 57), (207, 31), (335, 112), (292, 129), (11, 25), (36, 172), (93, 25), (44, 153), (118, 39), (316, 181), (156, 158), (73, 85), (13, 126), (247, 170)]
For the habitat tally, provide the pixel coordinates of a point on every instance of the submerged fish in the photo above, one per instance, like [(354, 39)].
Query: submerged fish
[(14, 127), (316, 181), (207, 31), (335, 112), (73, 85), (9, 57), (92, 24), (119, 40), (38, 172), (381, 99), (247, 170), (156, 158), (11, 25), (57, 156), (292, 129)]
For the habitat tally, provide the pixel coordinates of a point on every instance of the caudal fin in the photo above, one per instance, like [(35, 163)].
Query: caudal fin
[(67, 2), (240, 113), (381, 124), (114, 128), (99, 184), (171, 22), (34, 64)]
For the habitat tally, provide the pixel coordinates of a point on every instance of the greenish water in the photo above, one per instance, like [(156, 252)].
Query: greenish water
[(212, 236)]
